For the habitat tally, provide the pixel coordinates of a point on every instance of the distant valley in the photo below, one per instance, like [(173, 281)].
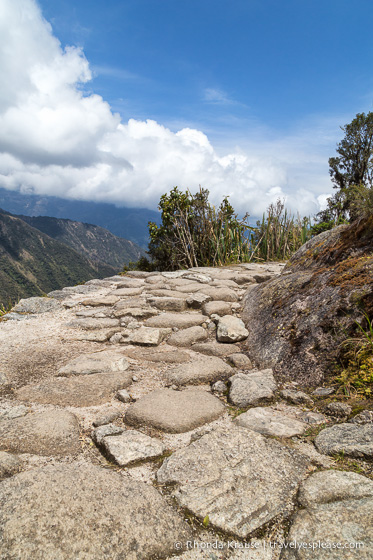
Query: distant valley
[(38, 255), (128, 223)]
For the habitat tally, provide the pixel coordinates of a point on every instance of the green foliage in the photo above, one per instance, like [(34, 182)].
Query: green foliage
[(195, 233), (279, 234), (351, 172), (357, 358)]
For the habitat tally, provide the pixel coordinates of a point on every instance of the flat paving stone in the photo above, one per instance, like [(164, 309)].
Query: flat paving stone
[(91, 323), (36, 305), (201, 369), (270, 422), (96, 362), (180, 321), (79, 391), (144, 336), (325, 525), (174, 411), (168, 303), (240, 480), (82, 511), (170, 356), (187, 337), (131, 447), (215, 349), (219, 294), (126, 292), (102, 300), (217, 308), (100, 335), (353, 440), (54, 432), (136, 312), (333, 486), (252, 388)]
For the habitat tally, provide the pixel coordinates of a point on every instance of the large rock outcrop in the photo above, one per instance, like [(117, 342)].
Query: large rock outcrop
[(298, 320)]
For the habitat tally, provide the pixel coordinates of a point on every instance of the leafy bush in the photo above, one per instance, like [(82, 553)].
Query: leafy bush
[(195, 233)]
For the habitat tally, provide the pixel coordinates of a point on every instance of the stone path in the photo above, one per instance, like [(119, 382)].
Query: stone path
[(129, 408)]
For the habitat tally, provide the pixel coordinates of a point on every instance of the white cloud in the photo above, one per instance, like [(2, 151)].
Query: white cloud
[(56, 140)]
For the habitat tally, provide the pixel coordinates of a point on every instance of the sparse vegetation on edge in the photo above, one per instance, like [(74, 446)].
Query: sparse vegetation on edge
[(280, 234), (195, 233), (356, 376)]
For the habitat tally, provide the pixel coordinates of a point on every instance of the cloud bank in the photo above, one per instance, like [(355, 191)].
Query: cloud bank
[(57, 140)]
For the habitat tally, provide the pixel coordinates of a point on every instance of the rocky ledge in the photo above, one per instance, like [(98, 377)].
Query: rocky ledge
[(137, 423)]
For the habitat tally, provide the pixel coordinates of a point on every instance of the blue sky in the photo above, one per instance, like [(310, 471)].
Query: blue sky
[(258, 89)]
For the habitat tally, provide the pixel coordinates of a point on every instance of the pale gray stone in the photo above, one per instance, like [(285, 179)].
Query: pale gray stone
[(240, 361), (65, 512), (202, 369), (345, 522), (168, 303), (79, 391), (101, 335), (231, 329), (136, 312), (14, 412), (240, 479), (124, 396), (252, 388), (219, 387), (130, 283), (96, 362), (197, 277), (105, 430), (157, 291), (54, 432), (158, 355), (174, 411), (215, 349), (9, 464), (270, 422), (144, 336), (339, 409), (126, 292), (196, 300), (130, 447), (180, 321), (187, 337), (315, 457), (220, 308), (333, 486), (219, 294), (97, 312), (296, 397), (323, 391), (91, 323), (3, 379), (106, 417), (101, 300), (36, 305), (352, 440)]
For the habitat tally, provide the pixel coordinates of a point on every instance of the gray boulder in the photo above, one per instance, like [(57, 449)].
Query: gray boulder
[(294, 320)]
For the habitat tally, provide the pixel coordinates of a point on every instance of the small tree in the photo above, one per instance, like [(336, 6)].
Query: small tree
[(353, 167)]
